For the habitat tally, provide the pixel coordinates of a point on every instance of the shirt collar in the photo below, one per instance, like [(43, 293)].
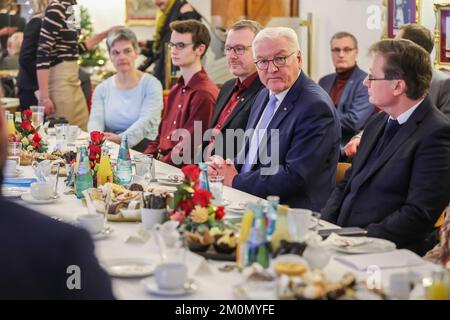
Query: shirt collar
[(196, 78), (407, 114), (247, 82)]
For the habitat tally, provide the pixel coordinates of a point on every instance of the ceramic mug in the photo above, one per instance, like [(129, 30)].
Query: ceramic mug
[(152, 217), (41, 190), (171, 275), (92, 222)]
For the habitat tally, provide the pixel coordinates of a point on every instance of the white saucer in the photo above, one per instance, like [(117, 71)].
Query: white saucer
[(105, 233), (27, 197), (153, 289), (128, 268), (168, 182)]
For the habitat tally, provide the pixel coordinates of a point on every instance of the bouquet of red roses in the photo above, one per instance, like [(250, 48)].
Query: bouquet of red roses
[(192, 207), (95, 148), (27, 134)]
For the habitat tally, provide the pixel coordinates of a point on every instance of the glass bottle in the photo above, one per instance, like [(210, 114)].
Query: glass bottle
[(104, 172), (271, 216), (84, 178), (281, 228), (244, 235), (204, 183), (124, 166), (257, 245), (11, 125), (18, 117)]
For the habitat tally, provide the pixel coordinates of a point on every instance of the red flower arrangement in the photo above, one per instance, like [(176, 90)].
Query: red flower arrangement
[(95, 148), (27, 134), (192, 207)]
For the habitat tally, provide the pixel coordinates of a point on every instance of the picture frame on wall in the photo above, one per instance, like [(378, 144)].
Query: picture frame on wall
[(442, 46), (400, 12), (140, 12)]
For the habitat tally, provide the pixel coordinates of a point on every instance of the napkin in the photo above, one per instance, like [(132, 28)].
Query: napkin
[(19, 182), (385, 260), (340, 241)]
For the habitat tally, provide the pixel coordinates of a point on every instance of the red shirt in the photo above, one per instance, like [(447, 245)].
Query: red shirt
[(186, 103), (339, 85)]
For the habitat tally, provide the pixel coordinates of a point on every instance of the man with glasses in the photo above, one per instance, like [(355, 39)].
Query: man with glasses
[(191, 101), (399, 182), (293, 142), (346, 88), (237, 95)]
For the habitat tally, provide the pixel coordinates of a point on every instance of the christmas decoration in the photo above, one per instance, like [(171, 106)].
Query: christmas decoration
[(96, 56)]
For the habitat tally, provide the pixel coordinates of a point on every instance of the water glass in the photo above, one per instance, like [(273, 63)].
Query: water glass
[(37, 115), (61, 131), (216, 188), (145, 166), (14, 150)]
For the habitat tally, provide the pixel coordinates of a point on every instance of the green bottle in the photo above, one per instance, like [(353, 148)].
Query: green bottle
[(84, 179)]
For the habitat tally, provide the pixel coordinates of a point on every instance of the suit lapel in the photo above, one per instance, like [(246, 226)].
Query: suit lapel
[(248, 94), (405, 131), (347, 89), (329, 84), (221, 104)]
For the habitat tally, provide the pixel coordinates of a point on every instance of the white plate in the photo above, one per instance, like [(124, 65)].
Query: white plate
[(152, 288), (27, 197), (375, 245), (18, 173), (129, 268), (168, 182), (236, 209), (14, 192)]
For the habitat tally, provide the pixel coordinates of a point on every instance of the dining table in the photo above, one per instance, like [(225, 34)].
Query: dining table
[(214, 280)]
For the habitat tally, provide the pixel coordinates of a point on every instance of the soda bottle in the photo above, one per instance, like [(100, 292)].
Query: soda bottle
[(124, 166), (84, 178), (271, 215), (204, 183)]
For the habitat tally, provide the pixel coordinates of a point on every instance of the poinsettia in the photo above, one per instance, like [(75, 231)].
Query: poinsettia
[(191, 172)]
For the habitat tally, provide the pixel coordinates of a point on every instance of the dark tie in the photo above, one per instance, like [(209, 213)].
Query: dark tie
[(390, 130)]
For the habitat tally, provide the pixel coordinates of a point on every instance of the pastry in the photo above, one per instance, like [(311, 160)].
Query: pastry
[(290, 268)]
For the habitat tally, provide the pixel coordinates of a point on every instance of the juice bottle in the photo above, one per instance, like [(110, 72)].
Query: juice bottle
[(104, 172)]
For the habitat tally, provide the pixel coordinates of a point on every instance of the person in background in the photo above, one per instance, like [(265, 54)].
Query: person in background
[(345, 87), (130, 102), (191, 101), (294, 148), (168, 11), (10, 22), (27, 79), (399, 181), (11, 61), (236, 95), (440, 81), (57, 63), (38, 254)]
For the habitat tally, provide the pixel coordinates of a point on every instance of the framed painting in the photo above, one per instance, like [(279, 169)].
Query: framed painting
[(140, 12), (400, 12), (442, 36)]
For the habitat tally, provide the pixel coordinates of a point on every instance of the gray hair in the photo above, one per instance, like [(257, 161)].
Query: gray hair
[(121, 34), (274, 33), (255, 26)]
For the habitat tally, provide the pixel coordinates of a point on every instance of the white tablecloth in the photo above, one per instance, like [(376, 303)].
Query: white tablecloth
[(212, 283)]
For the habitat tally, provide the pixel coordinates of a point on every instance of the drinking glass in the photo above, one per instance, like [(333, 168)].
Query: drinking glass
[(216, 188), (14, 150), (37, 116), (145, 166)]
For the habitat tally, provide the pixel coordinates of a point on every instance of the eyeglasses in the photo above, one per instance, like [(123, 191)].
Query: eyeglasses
[(278, 62), (372, 78), (239, 50), (178, 45), (346, 50)]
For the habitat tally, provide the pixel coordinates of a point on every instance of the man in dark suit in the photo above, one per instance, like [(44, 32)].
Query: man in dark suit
[(295, 146), (237, 95), (399, 182), (41, 258), (345, 86)]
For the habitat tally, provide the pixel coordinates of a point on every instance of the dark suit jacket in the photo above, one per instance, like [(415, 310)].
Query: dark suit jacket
[(307, 148), (237, 119), (354, 109), (406, 188), (36, 252), (27, 59)]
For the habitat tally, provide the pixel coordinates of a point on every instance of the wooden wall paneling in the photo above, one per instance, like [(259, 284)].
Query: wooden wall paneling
[(225, 13)]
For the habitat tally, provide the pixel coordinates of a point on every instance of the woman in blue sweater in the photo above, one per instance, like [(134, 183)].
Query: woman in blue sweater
[(130, 102)]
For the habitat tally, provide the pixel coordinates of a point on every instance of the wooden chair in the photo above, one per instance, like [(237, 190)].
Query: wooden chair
[(440, 221), (342, 167)]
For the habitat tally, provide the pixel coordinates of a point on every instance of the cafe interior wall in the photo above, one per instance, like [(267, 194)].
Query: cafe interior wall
[(363, 18)]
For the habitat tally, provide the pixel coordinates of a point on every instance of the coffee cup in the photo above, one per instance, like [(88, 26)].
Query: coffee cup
[(91, 222), (41, 190), (151, 217), (171, 276)]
